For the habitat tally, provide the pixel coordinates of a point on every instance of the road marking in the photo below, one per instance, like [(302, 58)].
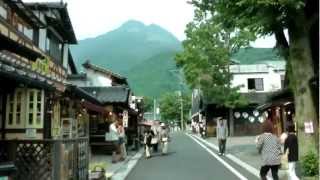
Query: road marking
[(240, 176), (236, 160)]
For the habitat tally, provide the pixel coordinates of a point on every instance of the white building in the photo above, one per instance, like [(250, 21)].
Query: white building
[(95, 76), (260, 78)]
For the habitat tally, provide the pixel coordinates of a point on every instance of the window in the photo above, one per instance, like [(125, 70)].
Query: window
[(255, 84), (282, 81), (28, 32), (47, 45), (3, 11), (35, 108), (25, 109), (15, 109)]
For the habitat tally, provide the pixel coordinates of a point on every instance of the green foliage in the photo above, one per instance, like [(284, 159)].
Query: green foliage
[(206, 57), (170, 105), (310, 164), (147, 104)]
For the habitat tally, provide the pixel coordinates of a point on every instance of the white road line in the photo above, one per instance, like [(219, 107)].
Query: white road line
[(236, 160), (240, 176)]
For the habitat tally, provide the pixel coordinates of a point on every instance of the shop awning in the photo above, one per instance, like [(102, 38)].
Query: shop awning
[(93, 107), (81, 94), (280, 98)]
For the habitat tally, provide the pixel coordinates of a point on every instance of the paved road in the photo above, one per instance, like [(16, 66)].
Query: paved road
[(186, 160)]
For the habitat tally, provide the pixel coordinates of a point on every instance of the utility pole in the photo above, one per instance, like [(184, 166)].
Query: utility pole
[(181, 110), (154, 109)]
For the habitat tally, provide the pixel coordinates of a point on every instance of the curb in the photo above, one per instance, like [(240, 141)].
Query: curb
[(130, 163)]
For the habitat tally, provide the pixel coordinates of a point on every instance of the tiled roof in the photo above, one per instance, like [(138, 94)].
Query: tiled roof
[(89, 65), (107, 95)]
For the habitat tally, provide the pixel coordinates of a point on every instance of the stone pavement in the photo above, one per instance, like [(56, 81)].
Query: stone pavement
[(244, 148)]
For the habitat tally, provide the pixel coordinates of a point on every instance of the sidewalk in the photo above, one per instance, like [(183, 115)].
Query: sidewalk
[(115, 171), (245, 149)]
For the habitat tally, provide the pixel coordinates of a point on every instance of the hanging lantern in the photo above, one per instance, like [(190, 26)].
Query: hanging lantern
[(237, 115), (251, 119), (256, 113)]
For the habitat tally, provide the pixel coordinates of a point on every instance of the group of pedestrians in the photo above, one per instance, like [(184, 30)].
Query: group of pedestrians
[(154, 137), (270, 148), (117, 135)]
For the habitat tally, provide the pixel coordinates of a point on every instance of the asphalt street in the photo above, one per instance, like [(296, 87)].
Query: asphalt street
[(188, 160)]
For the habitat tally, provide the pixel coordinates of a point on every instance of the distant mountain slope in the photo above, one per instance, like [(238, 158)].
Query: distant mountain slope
[(125, 47), (155, 76)]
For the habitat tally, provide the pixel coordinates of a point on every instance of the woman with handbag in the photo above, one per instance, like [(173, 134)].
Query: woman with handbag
[(270, 149), (164, 138), (291, 144)]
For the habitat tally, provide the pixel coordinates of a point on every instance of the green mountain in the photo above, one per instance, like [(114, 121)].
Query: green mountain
[(156, 75), (142, 53), (126, 46)]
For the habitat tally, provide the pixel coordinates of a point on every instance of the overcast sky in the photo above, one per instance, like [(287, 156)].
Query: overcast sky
[(91, 18)]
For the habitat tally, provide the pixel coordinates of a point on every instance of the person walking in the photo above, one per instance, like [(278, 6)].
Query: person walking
[(269, 147), (148, 134), (291, 144), (222, 133), (155, 139), (113, 136), (122, 143), (164, 138)]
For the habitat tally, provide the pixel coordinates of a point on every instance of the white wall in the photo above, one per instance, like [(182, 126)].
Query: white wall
[(97, 79), (271, 80), (65, 55)]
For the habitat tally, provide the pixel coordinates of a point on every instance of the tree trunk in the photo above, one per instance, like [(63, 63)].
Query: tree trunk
[(302, 71)]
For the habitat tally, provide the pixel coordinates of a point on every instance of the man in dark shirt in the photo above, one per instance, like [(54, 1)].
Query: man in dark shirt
[(291, 144)]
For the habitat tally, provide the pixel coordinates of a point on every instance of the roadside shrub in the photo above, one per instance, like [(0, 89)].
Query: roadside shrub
[(310, 164)]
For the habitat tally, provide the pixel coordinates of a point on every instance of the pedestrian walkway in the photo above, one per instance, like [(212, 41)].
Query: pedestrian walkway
[(112, 170), (244, 148)]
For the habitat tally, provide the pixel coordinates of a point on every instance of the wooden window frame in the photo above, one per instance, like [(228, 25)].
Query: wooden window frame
[(35, 123), (13, 111)]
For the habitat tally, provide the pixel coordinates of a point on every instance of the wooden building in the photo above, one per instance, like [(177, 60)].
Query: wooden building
[(44, 123)]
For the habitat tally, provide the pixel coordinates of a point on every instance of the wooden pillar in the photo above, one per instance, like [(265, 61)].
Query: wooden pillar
[(231, 122), (3, 115), (47, 116)]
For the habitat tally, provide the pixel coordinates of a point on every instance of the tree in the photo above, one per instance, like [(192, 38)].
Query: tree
[(272, 17), (147, 104), (170, 106), (206, 57)]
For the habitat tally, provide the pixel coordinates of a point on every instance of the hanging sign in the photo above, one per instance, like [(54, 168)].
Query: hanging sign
[(125, 118), (308, 127)]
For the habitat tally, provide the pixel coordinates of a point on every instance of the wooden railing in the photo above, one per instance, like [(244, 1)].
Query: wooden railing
[(47, 159)]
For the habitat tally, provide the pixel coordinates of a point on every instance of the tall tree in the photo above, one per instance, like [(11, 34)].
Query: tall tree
[(206, 56), (300, 18), (170, 106)]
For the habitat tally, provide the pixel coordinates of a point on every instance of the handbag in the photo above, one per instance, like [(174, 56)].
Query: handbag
[(154, 140), (164, 139), (284, 160)]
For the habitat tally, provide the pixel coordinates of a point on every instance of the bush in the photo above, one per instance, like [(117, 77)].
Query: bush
[(310, 164)]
